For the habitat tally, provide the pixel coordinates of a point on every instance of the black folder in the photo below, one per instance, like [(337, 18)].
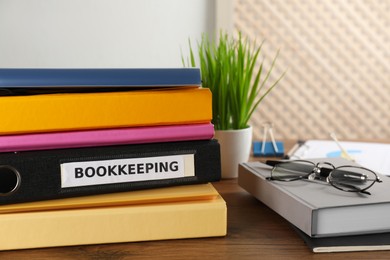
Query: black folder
[(365, 242), (52, 174)]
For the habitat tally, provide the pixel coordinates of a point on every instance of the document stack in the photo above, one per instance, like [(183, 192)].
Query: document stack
[(93, 156)]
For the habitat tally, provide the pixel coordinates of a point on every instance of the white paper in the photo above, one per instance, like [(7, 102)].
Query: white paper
[(374, 156)]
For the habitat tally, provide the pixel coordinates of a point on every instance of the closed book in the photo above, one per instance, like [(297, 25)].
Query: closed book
[(155, 215), (105, 137), (367, 242), (51, 174), (317, 208), (86, 111), (90, 77)]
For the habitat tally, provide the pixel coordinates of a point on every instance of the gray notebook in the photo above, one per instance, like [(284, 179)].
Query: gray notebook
[(318, 209)]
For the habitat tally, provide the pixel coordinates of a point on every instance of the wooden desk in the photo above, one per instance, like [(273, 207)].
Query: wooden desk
[(254, 232)]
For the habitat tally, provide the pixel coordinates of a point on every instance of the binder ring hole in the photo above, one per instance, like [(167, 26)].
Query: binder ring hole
[(9, 180)]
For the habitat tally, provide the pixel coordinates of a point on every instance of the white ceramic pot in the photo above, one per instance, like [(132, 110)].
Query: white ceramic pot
[(235, 149)]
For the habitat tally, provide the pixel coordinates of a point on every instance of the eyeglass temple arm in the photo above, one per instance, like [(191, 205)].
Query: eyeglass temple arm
[(354, 188)]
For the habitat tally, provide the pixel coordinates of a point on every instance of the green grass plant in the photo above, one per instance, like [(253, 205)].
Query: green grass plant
[(230, 69)]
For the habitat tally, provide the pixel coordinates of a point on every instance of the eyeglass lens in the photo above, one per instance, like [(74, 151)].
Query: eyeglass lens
[(289, 171), (350, 178)]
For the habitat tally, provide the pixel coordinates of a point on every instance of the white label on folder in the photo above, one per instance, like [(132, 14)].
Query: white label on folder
[(78, 174)]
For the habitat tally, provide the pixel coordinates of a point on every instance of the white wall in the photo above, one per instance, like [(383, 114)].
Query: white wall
[(100, 33)]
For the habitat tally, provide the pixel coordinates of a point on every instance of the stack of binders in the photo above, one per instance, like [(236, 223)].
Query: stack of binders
[(93, 156)]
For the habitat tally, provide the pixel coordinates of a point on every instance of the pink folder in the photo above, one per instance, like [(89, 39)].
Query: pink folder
[(105, 137)]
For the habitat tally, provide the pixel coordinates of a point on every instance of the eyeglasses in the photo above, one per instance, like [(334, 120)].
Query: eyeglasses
[(345, 178)]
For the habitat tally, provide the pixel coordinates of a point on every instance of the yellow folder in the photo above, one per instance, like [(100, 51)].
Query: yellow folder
[(82, 111), (111, 224), (148, 196)]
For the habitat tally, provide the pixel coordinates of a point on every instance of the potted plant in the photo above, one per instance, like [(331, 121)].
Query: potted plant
[(230, 69)]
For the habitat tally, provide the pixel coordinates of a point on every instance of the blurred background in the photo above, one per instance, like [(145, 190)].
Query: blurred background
[(336, 52), (337, 56)]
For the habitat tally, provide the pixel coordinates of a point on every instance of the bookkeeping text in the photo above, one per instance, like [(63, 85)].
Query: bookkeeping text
[(126, 169)]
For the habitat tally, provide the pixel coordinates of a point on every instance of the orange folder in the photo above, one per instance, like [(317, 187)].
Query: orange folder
[(82, 111)]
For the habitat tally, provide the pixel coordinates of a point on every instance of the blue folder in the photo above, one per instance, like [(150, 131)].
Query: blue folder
[(147, 77)]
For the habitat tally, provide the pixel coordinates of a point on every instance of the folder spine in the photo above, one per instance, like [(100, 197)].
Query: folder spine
[(105, 137), (89, 111), (160, 221), (40, 171), (74, 78)]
